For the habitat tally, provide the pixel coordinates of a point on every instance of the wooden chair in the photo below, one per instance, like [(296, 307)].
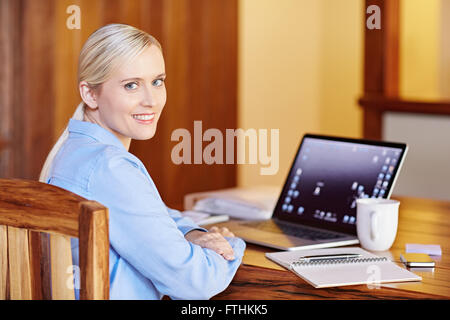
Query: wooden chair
[(29, 261)]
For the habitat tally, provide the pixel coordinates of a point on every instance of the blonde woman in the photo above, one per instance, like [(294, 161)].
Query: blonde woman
[(153, 250)]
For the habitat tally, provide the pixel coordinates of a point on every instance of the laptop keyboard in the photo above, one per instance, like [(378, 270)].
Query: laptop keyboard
[(296, 231)]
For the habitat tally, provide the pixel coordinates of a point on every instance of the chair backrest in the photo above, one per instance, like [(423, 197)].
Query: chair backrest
[(36, 223)]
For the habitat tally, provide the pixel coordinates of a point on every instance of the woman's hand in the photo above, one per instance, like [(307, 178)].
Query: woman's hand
[(214, 240), (223, 231)]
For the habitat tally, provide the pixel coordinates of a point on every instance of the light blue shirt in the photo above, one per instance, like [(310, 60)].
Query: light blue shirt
[(148, 256)]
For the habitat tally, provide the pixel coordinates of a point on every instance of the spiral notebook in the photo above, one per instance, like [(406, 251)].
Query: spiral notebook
[(368, 269)]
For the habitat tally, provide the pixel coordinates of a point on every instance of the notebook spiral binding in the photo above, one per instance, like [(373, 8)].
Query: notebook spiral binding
[(337, 261)]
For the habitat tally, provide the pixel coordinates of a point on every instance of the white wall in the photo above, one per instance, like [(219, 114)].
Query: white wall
[(426, 171)]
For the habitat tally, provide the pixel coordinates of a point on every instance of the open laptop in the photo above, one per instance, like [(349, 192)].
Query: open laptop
[(317, 205)]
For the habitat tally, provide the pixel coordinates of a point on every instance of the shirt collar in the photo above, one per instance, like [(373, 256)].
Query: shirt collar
[(94, 131)]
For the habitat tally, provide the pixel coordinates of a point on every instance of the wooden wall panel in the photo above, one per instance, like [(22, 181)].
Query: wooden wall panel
[(67, 47), (6, 50), (38, 98), (11, 133), (199, 39), (380, 62), (27, 72)]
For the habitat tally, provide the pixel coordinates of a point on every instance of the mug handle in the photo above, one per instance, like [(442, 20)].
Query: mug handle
[(373, 225)]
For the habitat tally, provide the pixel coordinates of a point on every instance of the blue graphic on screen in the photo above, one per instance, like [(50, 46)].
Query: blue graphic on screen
[(329, 176)]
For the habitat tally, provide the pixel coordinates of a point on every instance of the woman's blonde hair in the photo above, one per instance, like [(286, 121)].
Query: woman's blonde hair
[(107, 49)]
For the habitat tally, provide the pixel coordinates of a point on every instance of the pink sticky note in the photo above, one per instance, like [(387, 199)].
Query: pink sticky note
[(431, 249)]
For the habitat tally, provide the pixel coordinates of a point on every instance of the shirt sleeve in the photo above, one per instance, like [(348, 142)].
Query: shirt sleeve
[(185, 224), (144, 234)]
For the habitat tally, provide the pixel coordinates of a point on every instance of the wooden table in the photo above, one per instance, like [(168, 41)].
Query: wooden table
[(420, 221)]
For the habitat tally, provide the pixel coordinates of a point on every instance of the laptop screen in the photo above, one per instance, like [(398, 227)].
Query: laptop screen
[(329, 174)]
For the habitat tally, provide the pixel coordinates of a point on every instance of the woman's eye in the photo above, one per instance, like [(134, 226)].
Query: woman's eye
[(131, 86), (158, 82)]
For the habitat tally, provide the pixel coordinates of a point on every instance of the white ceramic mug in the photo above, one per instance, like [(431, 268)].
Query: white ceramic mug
[(376, 223)]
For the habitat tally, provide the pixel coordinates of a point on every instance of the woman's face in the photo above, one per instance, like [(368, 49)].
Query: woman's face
[(131, 101)]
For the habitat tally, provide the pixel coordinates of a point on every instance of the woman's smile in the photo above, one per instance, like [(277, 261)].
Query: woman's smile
[(144, 118)]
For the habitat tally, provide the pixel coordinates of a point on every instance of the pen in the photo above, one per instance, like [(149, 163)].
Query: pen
[(340, 256)]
